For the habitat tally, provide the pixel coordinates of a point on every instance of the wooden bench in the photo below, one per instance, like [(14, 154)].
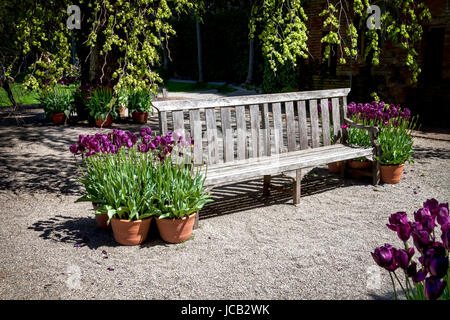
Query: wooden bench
[(243, 137)]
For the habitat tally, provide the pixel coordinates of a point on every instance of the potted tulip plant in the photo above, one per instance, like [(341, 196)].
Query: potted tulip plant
[(396, 144), (427, 278), (57, 104), (178, 186), (122, 103), (140, 105), (100, 103)]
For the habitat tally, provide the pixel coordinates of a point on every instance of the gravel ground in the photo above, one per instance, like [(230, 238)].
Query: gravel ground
[(245, 248)]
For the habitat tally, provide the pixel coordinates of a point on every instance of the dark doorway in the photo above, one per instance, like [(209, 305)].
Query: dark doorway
[(434, 52)]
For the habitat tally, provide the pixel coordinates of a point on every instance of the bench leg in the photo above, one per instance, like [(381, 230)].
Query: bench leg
[(343, 169), (196, 220), (376, 172), (297, 186), (266, 187)]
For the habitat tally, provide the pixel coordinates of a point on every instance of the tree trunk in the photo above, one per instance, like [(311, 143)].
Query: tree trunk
[(5, 85), (251, 61), (199, 51)]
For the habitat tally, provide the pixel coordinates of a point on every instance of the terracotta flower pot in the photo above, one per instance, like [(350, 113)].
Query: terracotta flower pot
[(391, 174), (359, 164), (130, 232), (140, 117), (176, 230), (58, 118), (101, 123), (102, 219), (335, 167)]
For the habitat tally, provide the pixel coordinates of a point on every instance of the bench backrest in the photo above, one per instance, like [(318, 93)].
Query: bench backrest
[(241, 127)]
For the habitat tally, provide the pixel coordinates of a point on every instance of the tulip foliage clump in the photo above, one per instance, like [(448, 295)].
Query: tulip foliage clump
[(429, 280)]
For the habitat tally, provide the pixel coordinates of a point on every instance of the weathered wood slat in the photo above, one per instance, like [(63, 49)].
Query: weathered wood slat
[(178, 122), (260, 168), (163, 122), (241, 128), (315, 135), (248, 100), (290, 126), (277, 127), (227, 133), (265, 134), (299, 153), (302, 124), (211, 135), (336, 118), (254, 127), (196, 134), (325, 121)]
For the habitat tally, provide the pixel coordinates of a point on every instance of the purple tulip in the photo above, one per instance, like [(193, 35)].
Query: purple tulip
[(73, 148), (432, 205), (421, 239), (442, 215), (403, 258), (396, 219), (434, 288), (428, 223), (435, 260), (385, 257), (421, 213)]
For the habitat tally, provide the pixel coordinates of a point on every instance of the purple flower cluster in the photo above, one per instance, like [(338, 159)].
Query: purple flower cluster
[(434, 254), (163, 146), (380, 112), (89, 145)]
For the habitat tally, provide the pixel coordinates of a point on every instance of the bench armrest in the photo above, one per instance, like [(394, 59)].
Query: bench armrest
[(373, 131), (352, 123)]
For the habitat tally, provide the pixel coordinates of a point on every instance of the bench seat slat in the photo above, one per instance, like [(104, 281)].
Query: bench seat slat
[(260, 167)]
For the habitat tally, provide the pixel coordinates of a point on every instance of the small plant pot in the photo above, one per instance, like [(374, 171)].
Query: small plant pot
[(360, 164), (101, 123), (58, 118), (102, 219), (130, 232), (335, 167), (176, 230), (123, 112), (391, 174), (140, 117)]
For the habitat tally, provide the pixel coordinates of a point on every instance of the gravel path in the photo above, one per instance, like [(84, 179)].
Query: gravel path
[(245, 247)]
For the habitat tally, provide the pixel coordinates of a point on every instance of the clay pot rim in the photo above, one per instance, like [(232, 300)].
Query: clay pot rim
[(392, 165), (177, 219), (127, 220)]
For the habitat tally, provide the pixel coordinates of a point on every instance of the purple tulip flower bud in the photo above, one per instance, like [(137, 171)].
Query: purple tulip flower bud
[(442, 215), (385, 257), (432, 205), (434, 288), (422, 212)]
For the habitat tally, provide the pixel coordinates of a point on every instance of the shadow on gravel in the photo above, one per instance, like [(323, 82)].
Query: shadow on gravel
[(247, 195), (78, 232), (83, 232), (426, 153)]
